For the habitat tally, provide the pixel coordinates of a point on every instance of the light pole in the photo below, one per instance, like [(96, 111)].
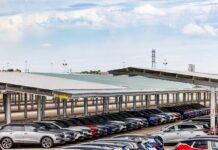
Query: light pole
[(65, 66), (165, 63), (51, 66)]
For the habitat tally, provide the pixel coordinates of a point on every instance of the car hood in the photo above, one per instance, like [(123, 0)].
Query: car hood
[(79, 127)]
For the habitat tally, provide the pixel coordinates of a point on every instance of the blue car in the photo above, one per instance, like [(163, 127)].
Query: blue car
[(152, 120)]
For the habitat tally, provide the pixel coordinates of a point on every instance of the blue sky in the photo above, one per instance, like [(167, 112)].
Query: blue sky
[(103, 34)]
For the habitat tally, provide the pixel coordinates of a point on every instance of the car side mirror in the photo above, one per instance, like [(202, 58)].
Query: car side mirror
[(167, 130), (35, 130)]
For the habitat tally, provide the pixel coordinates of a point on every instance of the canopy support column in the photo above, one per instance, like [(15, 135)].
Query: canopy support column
[(25, 105), (134, 102), (64, 108), (85, 106), (213, 110), (157, 99), (39, 108), (7, 107), (96, 105), (120, 103), (58, 107), (105, 105)]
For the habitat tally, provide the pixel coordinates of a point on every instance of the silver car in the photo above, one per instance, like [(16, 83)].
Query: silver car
[(28, 134), (180, 131)]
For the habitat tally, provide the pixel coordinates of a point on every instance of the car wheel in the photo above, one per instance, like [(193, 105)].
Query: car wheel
[(159, 139), (7, 143), (47, 142)]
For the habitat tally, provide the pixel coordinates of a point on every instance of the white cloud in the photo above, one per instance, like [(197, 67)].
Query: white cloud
[(149, 11), (11, 28), (194, 29), (46, 45)]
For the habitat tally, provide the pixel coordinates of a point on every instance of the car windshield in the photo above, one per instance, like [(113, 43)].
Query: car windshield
[(62, 125), (76, 122), (51, 126)]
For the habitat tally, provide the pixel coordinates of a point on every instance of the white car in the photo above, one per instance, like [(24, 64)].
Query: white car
[(180, 131)]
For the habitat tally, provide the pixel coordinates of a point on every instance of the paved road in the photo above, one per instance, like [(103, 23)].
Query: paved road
[(142, 131)]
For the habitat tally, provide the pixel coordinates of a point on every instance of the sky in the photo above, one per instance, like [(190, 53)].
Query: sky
[(41, 35)]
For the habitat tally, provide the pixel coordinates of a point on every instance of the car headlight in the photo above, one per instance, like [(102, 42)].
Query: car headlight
[(57, 135)]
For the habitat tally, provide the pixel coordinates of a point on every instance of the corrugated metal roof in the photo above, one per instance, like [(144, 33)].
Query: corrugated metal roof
[(133, 83), (50, 83), (205, 79)]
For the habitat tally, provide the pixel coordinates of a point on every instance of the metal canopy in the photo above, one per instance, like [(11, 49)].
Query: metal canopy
[(44, 85), (203, 79), (187, 77)]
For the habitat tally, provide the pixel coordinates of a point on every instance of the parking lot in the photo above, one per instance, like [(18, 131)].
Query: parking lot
[(142, 131), (129, 122)]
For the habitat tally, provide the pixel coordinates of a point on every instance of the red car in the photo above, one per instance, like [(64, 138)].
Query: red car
[(199, 143), (183, 146)]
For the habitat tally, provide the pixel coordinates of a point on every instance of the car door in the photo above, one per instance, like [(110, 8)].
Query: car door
[(31, 135), (187, 131), (171, 134), (17, 133)]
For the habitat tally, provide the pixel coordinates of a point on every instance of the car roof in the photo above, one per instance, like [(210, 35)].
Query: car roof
[(192, 123), (207, 138), (91, 147), (122, 140), (17, 124), (105, 143)]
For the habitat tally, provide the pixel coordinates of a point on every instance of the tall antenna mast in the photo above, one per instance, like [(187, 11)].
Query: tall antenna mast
[(153, 58)]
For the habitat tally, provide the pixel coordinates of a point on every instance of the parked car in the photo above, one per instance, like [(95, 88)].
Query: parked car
[(79, 131), (110, 145), (181, 131), (85, 121), (116, 126), (133, 145), (144, 121), (88, 147), (161, 118), (152, 120), (134, 124), (171, 116), (199, 143), (176, 114), (153, 141), (69, 135), (12, 134)]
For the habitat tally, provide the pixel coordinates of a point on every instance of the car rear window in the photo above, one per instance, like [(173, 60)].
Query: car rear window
[(186, 127), (200, 144), (214, 145)]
